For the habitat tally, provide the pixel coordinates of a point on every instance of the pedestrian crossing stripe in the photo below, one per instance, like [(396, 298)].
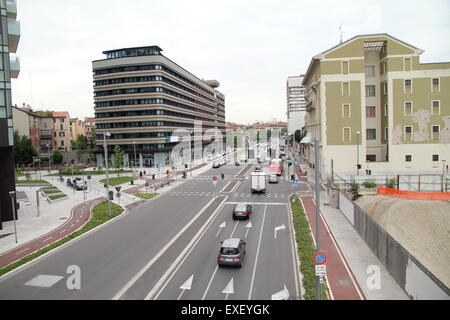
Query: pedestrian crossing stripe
[(209, 194)]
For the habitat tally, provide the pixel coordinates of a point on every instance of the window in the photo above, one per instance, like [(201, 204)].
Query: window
[(407, 111), (436, 108), (386, 110), (371, 134), (407, 64), (62, 142), (345, 67), (370, 112), (345, 89), (370, 71), (408, 86), (408, 133), (435, 157), (370, 91), (435, 84), (371, 157), (346, 113), (435, 132), (384, 66), (408, 158), (61, 126), (385, 133), (346, 132), (385, 87)]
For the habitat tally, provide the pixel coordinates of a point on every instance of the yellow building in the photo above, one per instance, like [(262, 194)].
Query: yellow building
[(77, 127)]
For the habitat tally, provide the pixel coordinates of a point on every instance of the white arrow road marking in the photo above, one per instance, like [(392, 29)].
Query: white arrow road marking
[(281, 295), (248, 226), (229, 289), (282, 227), (186, 286), (223, 225), (214, 183)]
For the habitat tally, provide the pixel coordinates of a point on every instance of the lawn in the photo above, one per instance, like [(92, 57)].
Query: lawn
[(117, 180), (89, 173), (31, 182), (57, 196), (50, 191), (99, 216), (306, 250), (146, 196)]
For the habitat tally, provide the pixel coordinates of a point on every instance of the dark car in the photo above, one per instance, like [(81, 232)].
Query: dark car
[(69, 182), (242, 211), (231, 253), (216, 164), (258, 168), (237, 164)]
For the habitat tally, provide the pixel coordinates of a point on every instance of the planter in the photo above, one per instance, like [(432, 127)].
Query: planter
[(57, 200), (368, 191)]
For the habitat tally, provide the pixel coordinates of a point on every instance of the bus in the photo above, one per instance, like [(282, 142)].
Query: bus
[(276, 168)]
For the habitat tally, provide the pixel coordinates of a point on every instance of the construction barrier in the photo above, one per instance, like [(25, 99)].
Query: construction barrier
[(413, 195)]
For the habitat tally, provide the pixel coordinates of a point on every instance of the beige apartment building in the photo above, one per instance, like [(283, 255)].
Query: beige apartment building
[(370, 101), (89, 125), (62, 134), (77, 127)]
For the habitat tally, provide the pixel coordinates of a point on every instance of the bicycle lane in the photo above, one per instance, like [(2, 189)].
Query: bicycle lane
[(79, 215)]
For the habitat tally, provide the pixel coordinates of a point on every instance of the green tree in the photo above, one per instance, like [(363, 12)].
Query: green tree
[(91, 144), (118, 158), (23, 150), (81, 145), (57, 156)]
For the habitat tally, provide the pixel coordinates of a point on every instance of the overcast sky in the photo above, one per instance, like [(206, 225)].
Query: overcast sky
[(249, 46)]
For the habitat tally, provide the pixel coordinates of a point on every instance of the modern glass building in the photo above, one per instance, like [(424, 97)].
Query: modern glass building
[(141, 97), (9, 68)]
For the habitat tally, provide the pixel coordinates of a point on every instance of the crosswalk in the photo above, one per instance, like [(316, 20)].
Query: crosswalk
[(218, 178), (234, 195)]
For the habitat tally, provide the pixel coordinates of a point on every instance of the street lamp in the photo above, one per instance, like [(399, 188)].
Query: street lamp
[(357, 152), (12, 194), (106, 165), (134, 146)]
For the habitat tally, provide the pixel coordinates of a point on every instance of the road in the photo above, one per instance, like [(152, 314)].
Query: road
[(130, 257)]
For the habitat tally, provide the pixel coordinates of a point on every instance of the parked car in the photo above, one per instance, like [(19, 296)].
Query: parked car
[(258, 168), (273, 178), (79, 184), (69, 183), (222, 162), (231, 253), (244, 159), (242, 210), (216, 164)]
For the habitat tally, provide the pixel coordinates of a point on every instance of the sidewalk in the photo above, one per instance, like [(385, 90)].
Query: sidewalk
[(344, 242)]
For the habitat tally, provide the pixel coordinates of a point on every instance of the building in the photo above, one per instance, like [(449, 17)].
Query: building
[(10, 67), (77, 127), (62, 134), (21, 121), (295, 97), (371, 102), (89, 124), (141, 97)]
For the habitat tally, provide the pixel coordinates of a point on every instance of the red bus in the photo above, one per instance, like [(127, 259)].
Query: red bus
[(276, 168)]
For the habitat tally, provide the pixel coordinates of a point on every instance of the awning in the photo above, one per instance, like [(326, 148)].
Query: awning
[(306, 140)]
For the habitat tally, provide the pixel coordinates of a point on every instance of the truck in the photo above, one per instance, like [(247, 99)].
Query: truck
[(258, 181)]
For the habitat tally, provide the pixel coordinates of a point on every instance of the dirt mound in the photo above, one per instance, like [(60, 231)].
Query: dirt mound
[(421, 226)]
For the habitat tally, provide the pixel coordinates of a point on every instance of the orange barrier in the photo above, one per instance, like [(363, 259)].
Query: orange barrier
[(414, 195)]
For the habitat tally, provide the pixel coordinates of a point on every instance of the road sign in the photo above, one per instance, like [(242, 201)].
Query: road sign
[(320, 258), (321, 270), (118, 188), (89, 177), (321, 279), (295, 181), (118, 194), (146, 184)]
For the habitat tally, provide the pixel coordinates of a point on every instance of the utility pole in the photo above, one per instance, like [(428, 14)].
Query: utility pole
[(106, 165), (317, 169)]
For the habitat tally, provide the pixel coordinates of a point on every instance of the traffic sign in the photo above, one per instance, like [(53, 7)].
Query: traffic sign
[(118, 188), (118, 194), (294, 181), (146, 184), (320, 258), (321, 270)]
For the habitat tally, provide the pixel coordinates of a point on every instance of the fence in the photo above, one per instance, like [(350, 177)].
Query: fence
[(415, 279), (419, 182)]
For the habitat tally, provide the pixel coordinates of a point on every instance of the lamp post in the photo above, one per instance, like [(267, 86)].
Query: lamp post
[(12, 194), (357, 152), (106, 165), (134, 146)]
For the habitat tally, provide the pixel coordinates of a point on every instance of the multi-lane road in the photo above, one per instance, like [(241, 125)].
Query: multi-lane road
[(166, 248)]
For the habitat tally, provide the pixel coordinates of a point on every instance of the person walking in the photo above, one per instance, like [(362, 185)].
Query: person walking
[(223, 176)]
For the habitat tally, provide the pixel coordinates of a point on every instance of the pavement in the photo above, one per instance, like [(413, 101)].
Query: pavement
[(351, 264)]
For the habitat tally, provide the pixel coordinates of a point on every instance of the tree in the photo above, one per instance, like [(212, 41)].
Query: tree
[(91, 144), (118, 157), (57, 156), (81, 145), (23, 150)]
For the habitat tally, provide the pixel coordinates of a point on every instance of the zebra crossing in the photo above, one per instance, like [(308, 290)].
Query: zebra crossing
[(218, 178), (234, 195)]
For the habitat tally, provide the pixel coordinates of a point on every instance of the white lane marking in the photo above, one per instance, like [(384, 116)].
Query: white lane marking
[(229, 289), (47, 239), (281, 295), (209, 283), (159, 254), (23, 250), (248, 226), (223, 225), (282, 227), (261, 203), (257, 255), (63, 231), (186, 286), (43, 280)]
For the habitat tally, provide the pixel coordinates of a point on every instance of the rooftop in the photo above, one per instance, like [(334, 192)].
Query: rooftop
[(132, 52)]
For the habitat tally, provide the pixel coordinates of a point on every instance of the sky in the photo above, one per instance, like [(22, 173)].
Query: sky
[(249, 46)]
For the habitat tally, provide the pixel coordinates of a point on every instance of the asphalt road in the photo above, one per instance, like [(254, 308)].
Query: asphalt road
[(130, 257)]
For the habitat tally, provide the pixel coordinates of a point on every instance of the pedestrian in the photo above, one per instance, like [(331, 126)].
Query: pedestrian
[(223, 176), (140, 174), (144, 173)]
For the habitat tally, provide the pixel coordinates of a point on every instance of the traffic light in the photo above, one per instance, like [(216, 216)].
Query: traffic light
[(111, 195)]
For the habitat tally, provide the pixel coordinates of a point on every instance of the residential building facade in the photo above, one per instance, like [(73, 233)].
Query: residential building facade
[(295, 96), (371, 102), (62, 134), (9, 68), (89, 125), (141, 97), (77, 127)]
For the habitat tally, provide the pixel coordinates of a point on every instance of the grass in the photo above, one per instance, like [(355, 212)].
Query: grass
[(89, 173), (99, 216), (146, 196), (306, 251), (57, 196), (32, 181), (117, 180), (50, 191)]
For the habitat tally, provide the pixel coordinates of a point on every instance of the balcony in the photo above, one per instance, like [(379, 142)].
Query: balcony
[(13, 34), (11, 9), (14, 63)]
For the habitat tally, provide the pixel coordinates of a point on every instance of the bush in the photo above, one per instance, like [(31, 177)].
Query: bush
[(355, 187), (392, 183), (369, 184)]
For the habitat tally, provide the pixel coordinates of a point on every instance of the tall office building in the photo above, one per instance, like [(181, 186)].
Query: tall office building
[(295, 96), (9, 68), (141, 97), (370, 101)]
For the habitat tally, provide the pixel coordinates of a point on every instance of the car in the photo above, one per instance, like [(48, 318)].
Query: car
[(237, 164), (69, 182), (231, 253), (243, 159), (79, 184), (273, 178), (242, 211), (222, 162), (216, 164), (258, 168)]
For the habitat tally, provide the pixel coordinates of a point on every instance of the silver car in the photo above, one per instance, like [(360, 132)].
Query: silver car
[(273, 178), (232, 252)]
